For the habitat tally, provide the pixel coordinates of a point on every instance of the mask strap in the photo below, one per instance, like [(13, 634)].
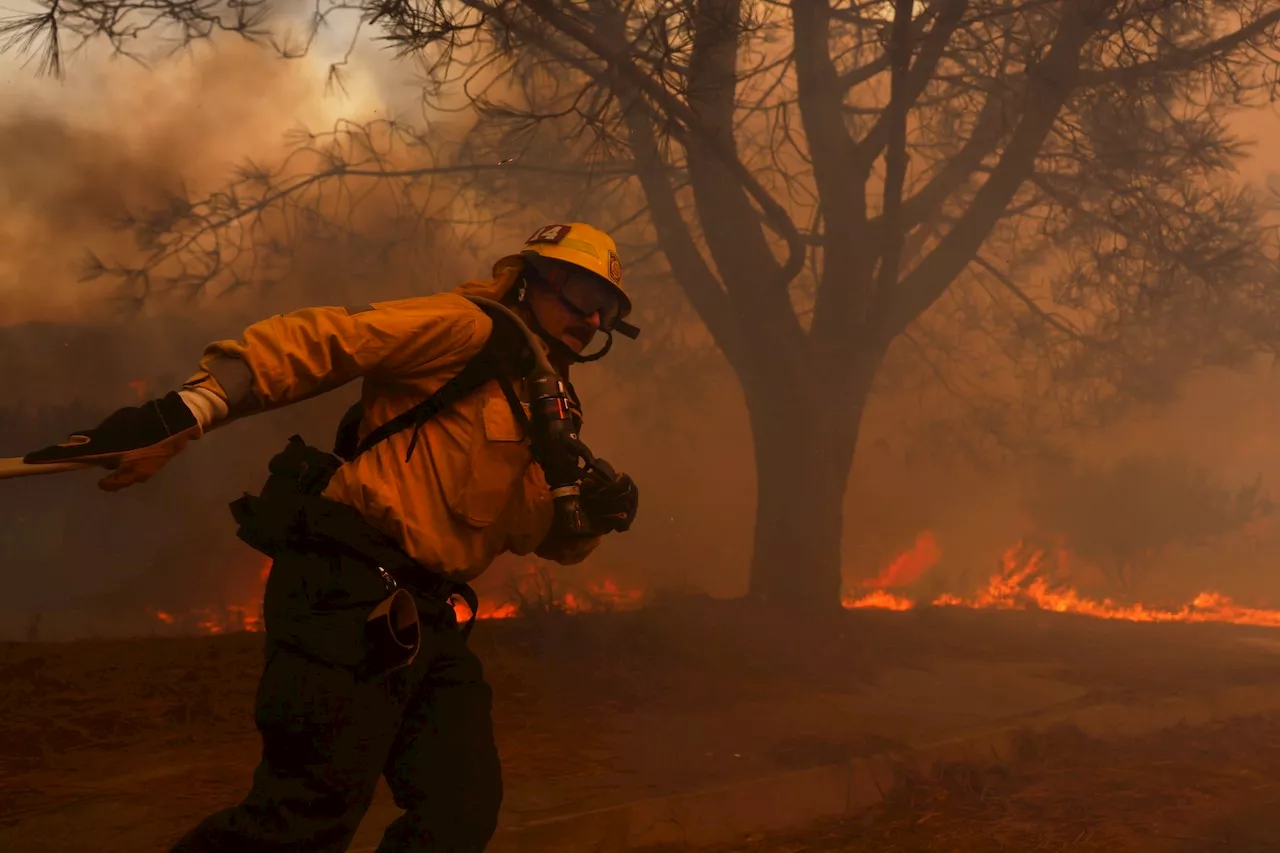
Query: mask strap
[(583, 359), (558, 344)]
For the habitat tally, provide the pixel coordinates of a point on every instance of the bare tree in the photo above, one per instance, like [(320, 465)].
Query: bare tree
[(832, 182)]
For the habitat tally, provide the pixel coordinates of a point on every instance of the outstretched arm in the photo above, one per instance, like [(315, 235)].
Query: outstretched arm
[(293, 357), (278, 361)]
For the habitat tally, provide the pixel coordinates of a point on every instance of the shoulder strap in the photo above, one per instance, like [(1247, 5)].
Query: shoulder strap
[(520, 415), (479, 370), (347, 438)]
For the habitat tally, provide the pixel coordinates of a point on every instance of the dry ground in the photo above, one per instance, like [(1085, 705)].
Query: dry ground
[(144, 713), (1212, 789)]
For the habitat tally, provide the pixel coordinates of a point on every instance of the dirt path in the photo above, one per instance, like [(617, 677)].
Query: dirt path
[(1191, 790)]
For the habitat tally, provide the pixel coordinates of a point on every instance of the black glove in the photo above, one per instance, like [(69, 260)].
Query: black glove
[(610, 507), (135, 442)]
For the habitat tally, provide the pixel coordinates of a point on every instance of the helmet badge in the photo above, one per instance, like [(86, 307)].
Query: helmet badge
[(615, 267), (549, 234)]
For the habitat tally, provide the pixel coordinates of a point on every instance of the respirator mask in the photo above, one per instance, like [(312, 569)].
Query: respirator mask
[(552, 425)]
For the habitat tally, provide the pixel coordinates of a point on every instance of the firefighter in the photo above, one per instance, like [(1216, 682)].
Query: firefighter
[(424, 508)]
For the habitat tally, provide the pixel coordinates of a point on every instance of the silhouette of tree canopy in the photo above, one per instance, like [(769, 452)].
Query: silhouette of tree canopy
[(1124, 516)]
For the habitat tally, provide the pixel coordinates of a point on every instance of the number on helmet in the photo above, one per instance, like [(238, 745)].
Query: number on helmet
[(549, 234)]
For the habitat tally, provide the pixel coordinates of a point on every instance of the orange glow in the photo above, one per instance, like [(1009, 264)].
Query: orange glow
[(228, 619), (604, 595), (909, 566), (1023, 584), (139, 387), (880, 600), (1028, 579), (232, 618), (488, 610)]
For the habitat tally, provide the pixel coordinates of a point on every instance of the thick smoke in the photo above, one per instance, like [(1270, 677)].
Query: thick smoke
[(113, 141)]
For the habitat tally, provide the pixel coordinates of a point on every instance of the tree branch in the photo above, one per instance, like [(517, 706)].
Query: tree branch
[(733, 234), (1179, 59), (774, 213), (1049, 319), (932, 49), (895, 121), (841, 190), (697, 279), (990, 127), (1049, 86)]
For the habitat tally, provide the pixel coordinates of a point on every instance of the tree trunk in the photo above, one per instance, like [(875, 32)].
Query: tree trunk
[(804, 445)]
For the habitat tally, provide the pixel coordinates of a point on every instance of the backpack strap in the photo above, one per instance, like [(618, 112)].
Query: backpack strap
[(479, 370), (520, 415), (347, 438)]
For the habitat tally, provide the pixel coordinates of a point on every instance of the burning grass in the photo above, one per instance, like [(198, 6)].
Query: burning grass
[(532, 590), (1185, 790), (1034, 579), (1027, 578)]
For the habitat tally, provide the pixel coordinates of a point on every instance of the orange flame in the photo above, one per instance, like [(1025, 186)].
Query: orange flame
[(604, 595), (232, 618), (488, 610), (1022, 584), (1024, 581), (880, 600), (909, 566)]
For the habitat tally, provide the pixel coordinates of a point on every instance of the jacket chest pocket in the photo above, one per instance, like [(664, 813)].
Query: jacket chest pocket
[(495, 463)]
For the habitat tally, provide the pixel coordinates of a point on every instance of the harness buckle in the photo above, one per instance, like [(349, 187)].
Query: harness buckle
[(387, 580)]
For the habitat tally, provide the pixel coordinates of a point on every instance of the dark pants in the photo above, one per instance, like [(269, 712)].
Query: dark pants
[(327, 733)]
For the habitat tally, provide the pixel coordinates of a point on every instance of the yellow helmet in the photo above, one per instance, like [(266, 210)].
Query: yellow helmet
[(583, 246)]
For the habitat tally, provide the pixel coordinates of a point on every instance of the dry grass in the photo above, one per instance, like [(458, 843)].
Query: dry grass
[(56, 699), (61, 697), (1212, 789), (72, 713)]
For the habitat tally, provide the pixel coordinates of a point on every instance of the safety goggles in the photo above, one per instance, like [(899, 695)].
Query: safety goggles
[(587, 296), (583, 292)]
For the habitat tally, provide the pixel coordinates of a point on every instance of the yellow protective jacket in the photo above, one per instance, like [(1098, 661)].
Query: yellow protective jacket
[(470, 491)]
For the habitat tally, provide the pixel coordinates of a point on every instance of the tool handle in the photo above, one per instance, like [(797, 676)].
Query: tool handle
[(15, 467)]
